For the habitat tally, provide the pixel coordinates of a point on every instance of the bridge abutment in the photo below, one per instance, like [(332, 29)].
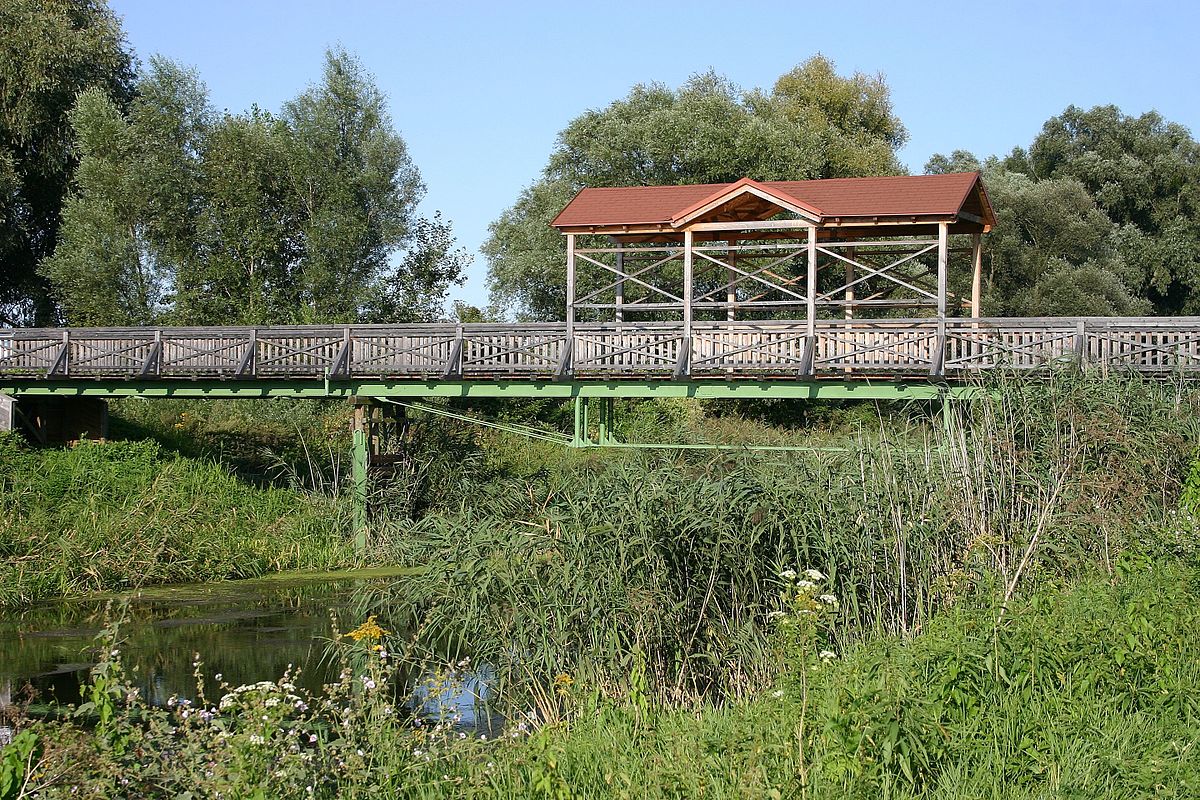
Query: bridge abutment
[(53, 420)]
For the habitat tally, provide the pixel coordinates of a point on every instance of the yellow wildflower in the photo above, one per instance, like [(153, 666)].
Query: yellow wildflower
[(368, 630)]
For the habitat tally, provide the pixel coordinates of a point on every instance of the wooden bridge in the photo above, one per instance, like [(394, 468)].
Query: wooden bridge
[(621, 358), (847, 288)]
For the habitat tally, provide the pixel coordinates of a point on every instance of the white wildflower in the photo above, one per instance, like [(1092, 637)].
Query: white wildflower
[(788, 574), (813, 574)]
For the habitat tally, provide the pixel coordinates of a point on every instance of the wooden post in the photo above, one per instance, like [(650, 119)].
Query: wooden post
[(570, 284), (976, 274), (852, 254), (687, 286), (942, 263), (731, 276), (812, 280), (620, 312)]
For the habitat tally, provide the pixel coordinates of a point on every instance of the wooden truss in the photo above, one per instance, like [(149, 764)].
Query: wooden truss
[(791, 270)]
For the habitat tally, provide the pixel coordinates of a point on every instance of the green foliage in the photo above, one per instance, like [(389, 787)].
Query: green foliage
[(125, 515), (1036, 703), (126, 227), (537, 573), (1053, 252), (16, 758), (1144, 173), (1100, 216), (813, 124), (185, 216), (298, 444), (1087, 691), (50, 51)]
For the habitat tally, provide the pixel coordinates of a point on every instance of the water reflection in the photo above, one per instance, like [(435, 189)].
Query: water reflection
[(244, 632)]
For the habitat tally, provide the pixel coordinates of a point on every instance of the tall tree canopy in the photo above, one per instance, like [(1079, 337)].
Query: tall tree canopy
[(1144, 173), (1099, 216), (186, 216), (50, 51), (812, 124)]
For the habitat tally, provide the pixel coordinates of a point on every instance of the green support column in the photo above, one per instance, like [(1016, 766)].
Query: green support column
[(360, 461), (608, 421), (582, 436)]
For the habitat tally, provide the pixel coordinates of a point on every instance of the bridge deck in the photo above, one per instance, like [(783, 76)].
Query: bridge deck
[(840, 351)]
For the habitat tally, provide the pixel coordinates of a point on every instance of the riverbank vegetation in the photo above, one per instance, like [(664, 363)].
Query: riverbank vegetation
[(1084, 691), (124, 515), (998, 605)]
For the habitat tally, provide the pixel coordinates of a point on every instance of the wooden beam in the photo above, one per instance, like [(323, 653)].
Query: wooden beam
[(765, 225), (570, 284), (620, 288), (246, 365), (687, 287), (731, 279), (812, 280), (60, 364), (976, 274), (942, 268), (852, 256)]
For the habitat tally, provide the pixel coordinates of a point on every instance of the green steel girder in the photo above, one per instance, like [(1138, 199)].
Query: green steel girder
[(515, 388)]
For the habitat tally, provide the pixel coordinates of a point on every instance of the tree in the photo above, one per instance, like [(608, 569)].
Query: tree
[(51, 51), (1144, 173), (813, 124), (958, 161), (1098, 216), (1053, 251), (356, 186), (181, 215), (247, 236), (129, 226)]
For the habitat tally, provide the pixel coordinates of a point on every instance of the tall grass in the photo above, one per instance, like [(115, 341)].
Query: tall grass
[(603, 563), (123, 515)]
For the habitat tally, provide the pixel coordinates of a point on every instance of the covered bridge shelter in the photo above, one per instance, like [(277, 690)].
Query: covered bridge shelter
[(717, 258)]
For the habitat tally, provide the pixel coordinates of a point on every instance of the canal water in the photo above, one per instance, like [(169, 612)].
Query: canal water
[(244, 631)]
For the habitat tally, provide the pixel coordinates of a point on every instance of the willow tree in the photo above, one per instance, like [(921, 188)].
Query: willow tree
[(813, 123), (186, 216), (50, 51)]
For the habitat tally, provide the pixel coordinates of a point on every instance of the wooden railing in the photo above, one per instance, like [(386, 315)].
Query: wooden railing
[(780, 349)]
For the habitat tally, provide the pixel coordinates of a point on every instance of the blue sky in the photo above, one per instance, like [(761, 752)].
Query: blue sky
[(479, 90)]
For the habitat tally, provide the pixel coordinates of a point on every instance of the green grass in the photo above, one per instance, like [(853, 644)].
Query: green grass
[(1087, 690), (123, 515)]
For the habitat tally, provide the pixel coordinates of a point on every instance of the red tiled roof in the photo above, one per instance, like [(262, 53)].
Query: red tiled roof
[(892, 196)]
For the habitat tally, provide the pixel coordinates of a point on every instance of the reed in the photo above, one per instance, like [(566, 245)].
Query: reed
[(601, 562)]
